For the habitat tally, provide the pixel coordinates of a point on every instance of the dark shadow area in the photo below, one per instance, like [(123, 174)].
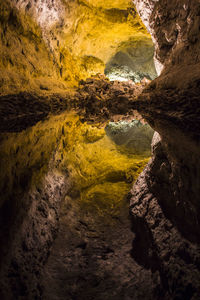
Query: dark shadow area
[(144, 250), (23, 110)]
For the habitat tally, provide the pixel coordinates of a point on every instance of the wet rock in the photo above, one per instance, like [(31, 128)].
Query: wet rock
[(33, 233), (165, 199), (158, 242), (100, 100), (23, 110)]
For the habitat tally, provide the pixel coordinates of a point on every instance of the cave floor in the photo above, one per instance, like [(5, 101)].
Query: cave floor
[(91, 258)]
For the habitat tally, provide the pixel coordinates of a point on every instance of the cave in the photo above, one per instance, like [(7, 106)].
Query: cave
[(99, 149)]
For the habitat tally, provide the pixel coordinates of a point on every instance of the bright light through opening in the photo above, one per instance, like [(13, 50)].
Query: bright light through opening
[(114, 77)]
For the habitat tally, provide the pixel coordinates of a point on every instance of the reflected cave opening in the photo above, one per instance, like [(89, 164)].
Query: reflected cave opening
[(131, 137)]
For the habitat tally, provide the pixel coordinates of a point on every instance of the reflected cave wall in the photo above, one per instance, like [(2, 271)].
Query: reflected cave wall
[(165, 199)]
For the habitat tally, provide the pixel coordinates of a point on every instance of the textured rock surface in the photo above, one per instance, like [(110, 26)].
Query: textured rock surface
[(30, 238), (22, 50), (174, 27), (159, 244), (72, 39), (165, 199)]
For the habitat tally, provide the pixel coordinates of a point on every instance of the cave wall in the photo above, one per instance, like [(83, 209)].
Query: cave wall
[(175, 33), (64, 35), (174, 102), (165, 199), (22, 51)]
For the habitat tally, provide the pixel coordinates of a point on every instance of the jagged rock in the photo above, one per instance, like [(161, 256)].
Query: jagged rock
[(165, 199), (159, 245), (30, 238), (100, 100)]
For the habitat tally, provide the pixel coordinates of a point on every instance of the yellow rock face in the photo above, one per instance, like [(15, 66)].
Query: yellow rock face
[(25, 60), (97, 30), (39, 49), (120, 4)]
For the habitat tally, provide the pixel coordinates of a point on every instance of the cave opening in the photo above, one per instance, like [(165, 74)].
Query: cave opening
[(133, 61)]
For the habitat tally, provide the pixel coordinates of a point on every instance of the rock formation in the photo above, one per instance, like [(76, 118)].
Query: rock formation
[(166, 196)]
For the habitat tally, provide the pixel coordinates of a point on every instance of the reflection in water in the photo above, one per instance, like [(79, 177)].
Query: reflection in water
[(131, 137), (101, 163)]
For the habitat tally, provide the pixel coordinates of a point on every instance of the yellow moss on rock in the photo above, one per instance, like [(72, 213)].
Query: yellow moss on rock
[(93, 32), (98, 32)]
